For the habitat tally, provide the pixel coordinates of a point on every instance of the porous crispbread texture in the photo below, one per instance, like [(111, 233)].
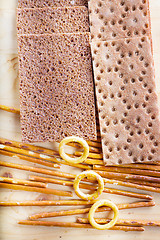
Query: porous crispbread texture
[(127, 101), (52, 20), (51, 3), (56, 87), (116, 19)]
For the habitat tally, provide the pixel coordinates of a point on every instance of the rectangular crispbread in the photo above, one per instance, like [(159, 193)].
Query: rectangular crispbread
[(127, 101), (116, 19), (52, 20), (51, 3), (56, 87)]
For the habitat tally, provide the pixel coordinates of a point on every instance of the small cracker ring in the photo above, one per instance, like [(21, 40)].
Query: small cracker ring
[(99, 203), (69, 159), (87, 174)]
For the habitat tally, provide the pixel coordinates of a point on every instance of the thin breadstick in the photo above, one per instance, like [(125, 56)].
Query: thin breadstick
[(86, 210), (28, 153), (154, 167), (91, 149), (141, 172), (91, 161), (37, 148), (23, 182), (36, 189), (47, 203), (134, 184), (26, 146), (63, 175), (38, 170), (95, 144), (40, 156), (9, 109), (95, 150), (123, 222), (149, 184), (76, 225), (91, 155), (91, 187), (30, 159), (127, 176)]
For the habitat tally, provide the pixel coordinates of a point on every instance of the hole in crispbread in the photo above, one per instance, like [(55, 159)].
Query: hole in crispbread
[(130, 153), (151, 137), (116, 135), (115, 122), (99, 4), (111, 95), (119, 161)]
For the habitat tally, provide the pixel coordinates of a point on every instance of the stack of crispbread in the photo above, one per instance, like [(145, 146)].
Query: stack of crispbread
[(56, 80), (124, 79)]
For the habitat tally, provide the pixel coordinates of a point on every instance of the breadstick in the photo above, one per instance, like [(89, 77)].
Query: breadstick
[(123, 222), (23, 182), (9, 109), (36, 189), (30, 159), (149, 184), (141, 172), (40, 156), (91, 149), (91, 155), (46, 203), (38, 170), (95, 143), (91, 187), (91, 161), (154, 166), (134, 185), (38, 148), (127, 176), (86, 210), (76, 225)]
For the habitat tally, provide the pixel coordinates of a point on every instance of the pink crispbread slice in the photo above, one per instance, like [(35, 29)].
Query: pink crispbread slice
[(56, 87), (127, 101), (52, 20), (116, 19)]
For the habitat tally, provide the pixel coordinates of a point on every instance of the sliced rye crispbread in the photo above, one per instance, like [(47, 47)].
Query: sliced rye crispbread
[(51, 3), (116, 19), (52, 20), (127, 101), (56, 87)]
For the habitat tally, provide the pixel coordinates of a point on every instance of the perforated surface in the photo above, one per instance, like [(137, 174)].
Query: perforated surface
[(52, 20), (56, 87), (127, 102), (51, 3), (116, 19)]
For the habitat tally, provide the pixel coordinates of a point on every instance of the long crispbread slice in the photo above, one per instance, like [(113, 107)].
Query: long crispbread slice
[(116, 19), (51, 3), (52, 20), (127, 101), (56, 87)]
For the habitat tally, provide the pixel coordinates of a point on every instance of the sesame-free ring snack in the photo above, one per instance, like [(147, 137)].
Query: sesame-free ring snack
[(99, 203), (78, 140), (89, 174)]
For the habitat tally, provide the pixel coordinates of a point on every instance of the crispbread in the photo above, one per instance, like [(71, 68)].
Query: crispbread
[(127, 102), (51, 3), (52, 20), (56, 87), (116, 19)]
